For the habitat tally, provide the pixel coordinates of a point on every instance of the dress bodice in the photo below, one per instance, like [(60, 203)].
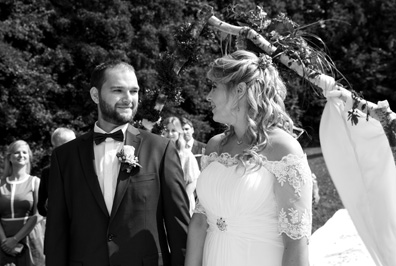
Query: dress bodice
[(16, 197), (268, 193), (249, 207), (17, 202)]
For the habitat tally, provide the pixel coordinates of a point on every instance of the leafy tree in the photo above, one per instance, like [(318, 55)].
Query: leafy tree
[(49, 47)]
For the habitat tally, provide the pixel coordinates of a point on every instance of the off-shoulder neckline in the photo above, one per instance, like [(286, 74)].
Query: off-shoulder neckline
[(227, 156)]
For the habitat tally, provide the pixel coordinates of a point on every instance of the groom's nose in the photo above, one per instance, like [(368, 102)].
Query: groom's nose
[(127, 98)]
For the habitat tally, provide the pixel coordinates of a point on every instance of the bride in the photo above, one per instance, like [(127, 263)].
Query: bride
[(255, 189)]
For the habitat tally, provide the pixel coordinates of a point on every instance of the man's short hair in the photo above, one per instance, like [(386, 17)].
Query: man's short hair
[(185, 121), (61, 135), (98, 74)]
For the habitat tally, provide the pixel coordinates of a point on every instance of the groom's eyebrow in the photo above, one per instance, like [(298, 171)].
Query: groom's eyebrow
[(124, 87)]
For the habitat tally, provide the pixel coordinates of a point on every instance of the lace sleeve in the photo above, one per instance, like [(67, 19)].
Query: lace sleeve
[(293, 192)]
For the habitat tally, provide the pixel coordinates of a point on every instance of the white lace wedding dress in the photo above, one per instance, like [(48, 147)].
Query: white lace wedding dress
[(248, 210)]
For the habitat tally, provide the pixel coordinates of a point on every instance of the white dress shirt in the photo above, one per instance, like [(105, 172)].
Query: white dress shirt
[(107, 165), (189, 144)]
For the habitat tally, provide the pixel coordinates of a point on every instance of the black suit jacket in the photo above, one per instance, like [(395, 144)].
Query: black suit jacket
[(149, 219), (197, 147)]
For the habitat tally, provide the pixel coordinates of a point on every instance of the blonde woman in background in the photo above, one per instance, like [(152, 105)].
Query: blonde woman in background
[(173, 130), (21, 240)]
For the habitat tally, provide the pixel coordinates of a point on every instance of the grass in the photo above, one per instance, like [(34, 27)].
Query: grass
[(330, 201)]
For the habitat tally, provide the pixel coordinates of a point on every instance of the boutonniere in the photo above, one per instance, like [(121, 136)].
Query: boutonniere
[(127, 158)]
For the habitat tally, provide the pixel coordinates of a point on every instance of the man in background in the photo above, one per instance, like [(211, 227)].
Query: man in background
[(60, 136), (195, 146)]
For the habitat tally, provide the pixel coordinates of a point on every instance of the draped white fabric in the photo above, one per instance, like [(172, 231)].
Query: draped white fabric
[(337, 243), (361, 165)]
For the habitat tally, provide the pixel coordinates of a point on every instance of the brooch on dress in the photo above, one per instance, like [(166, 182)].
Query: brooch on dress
[(221, 224)]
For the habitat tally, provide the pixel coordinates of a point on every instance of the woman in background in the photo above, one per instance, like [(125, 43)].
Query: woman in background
[(173, 130), (21, 240)]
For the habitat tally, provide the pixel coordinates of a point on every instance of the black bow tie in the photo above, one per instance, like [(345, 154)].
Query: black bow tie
[(100, 137)]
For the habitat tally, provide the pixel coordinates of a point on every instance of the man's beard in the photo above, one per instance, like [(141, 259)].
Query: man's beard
[(110, 114)]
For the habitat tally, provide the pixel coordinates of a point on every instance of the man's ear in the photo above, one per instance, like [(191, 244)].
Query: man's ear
[(94, 94)]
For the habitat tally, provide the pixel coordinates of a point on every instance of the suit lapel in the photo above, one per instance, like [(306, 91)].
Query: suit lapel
[(195, 148), (87, 159), (132, 138)]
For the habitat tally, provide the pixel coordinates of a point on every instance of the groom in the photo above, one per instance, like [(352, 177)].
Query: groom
[(102, 212)]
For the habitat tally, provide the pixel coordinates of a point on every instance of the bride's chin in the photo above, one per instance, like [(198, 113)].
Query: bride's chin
[(219, 121), (222, 120)]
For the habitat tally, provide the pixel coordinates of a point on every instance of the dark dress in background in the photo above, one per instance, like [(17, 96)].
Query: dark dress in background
[(16, 206)]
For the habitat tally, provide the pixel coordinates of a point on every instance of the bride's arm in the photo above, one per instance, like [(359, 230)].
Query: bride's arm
[(198, 224), (295, 252), (293, 193), (196, 239)]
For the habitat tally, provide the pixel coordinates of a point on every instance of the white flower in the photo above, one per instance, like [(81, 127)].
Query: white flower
[(127, 158)]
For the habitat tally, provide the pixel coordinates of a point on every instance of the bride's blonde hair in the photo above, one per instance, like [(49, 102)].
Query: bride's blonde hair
[(265, 91)]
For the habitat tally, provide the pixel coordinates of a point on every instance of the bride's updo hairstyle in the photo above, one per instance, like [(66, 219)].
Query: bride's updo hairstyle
[(265, 93)]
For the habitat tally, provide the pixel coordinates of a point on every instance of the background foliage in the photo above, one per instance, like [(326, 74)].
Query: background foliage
[(49, 47)]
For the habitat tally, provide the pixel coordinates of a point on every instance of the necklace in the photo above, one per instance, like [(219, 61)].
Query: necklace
[(239, 141)]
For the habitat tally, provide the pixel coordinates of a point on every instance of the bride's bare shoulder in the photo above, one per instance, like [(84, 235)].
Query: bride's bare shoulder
[(280, 144), (214, 143)]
